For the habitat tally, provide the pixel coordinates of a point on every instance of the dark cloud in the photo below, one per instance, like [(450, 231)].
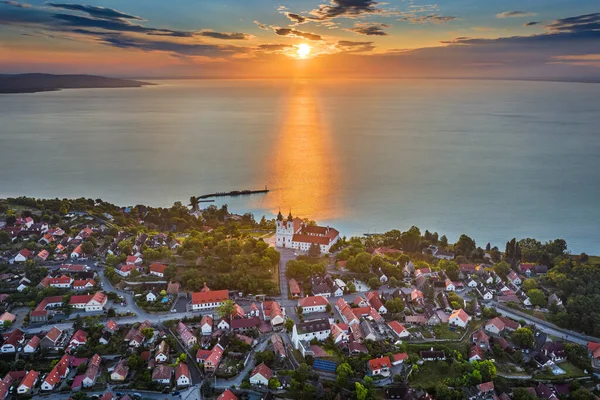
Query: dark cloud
[(297, 18), (295, 33), (369, 29), (345, 9), (16, 4), (515, 14), (224, 35), (354, 47), (580, 23), (95, 12), (532, 23), (262, 26), (428, 19)]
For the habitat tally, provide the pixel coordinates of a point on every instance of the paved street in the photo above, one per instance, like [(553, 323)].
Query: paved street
[(237, 381)]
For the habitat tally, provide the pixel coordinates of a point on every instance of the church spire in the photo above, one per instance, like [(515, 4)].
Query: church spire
[(279, 216), (290, 216)]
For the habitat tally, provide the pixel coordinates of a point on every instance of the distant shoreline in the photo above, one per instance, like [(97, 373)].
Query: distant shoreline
[(37, 83)]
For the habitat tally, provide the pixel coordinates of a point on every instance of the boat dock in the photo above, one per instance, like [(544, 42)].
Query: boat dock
[(234, 193)]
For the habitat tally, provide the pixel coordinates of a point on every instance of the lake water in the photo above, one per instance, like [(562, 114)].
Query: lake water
[(493, 159)]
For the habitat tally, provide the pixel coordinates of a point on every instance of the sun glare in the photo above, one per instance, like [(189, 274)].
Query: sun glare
[(303, 50)]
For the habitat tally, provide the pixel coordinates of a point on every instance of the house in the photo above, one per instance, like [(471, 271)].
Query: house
[(487, 295), (33, 345), (294, 233), (151, 297), (162, 374), (514, 278), (399, 330), (42, 256), (133, 260), (125, 269), (95, 302), (244, 324), (12, 341), (52, 339), (555, 351), (368, 332), (92, 371), (553, 299), (23, 255), (206, 325), (544, 392), (375, 302), (223, 324), (83, 284), (485, 388), (278, 346), (173, 288), (497, 325), (380, 366), (79, 338), (481, 340), (472, 283), (432, 317), (459, 318), (28, 382), (111, 326), (214, 358), (57, 374), (120, 372), (260, 375), (399, 358), (186, 335), (346, 312), (443, 254), (162, 352), (338, 334), (77, 253), (209, 299), (312, 304), (294, 288), (273, 313), (227, 395), (319, 286), (449, 286), (316, 329), (476, 353), (7, 319), (182, 375), (158, 269), (381, 275)]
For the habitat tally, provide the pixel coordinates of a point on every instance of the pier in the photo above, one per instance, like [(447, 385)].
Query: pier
[(234, 193)]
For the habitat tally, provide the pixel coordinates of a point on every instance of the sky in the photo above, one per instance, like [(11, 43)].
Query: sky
[(520, 39)]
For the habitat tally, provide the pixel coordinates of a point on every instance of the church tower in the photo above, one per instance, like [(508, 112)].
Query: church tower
[(285, 230)]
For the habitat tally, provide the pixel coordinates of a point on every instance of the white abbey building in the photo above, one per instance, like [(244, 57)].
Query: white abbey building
[(295, 234)]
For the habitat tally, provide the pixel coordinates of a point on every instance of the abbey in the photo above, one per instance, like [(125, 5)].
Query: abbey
[(294, 233)]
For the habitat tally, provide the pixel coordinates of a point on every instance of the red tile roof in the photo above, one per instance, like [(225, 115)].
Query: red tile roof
[(313, 301), (182, 369), (159, 268), (80, 299), (80, 337), (111, 325), (53, 334), (294, 287), (263, 370), (211, 296), (400, 356), (379, 363), (34, 342), (397, 327), (227, 395), (30, 379)]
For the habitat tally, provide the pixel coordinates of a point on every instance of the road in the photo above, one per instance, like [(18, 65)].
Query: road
[(191, 393), (285, 255)]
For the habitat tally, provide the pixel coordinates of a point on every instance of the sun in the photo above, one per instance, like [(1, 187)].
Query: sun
[(303, 50)]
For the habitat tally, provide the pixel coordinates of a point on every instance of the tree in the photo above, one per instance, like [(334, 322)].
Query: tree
[(523, 337), (464, 246), (226, 308), (148, 333), (4, 237), (523, 394), (194, 203), (537, 297), (344, 372), (314, 251), (170, 272), (374, 283), (111, 312), (274, 383), (135, 362), (351, 287), (394, 305), (444, 241), (488, 370), (502, 269), (361, 391), (450, 267), (87, 247), (529, 284), (267, 357), (112, 260), (289, 325), (582, 394), (328, 308)]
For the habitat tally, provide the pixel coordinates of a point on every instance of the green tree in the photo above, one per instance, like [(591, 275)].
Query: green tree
[(274, 383), (523, 337), (87, 247), (314, 251), (289, 325), (394, 305), (135, 362), (4, 237), (226, 308), (170, 272), (344, 372), (502, 269), (529, 284), (523, 394), (465, 246), (444, 241), (112, 260), (450, 267), (537, 297), (361, 391), (148, 333), (351, 287), (582, 394)]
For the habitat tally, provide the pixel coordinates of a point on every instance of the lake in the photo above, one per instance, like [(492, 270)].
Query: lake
[(492, 159)]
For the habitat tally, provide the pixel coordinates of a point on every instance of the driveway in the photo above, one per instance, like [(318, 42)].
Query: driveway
[(237, 381)]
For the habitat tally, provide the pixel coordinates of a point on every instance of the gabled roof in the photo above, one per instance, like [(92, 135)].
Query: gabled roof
[(34, 342), (162, 372), (312, 301), (53, 334), (379, 363), (30, 379), (80, 336), (460, 314), (111, 325), (158, 268), (182, 369), (486, 387), (80, 299), (476, 351), (263, 370), (397, 327), (227, 395)]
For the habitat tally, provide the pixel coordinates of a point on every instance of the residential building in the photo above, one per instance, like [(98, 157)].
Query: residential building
[(380, 366), (459, 318), (399, 330), (158, 269), (162, 374), (206, 325), (208, 299), (183, 377), (294, 288), (120, 372), (28, 382), (312, 304), (162, 352), (33, 345), (92, 371), (260, 375), (316, 329)]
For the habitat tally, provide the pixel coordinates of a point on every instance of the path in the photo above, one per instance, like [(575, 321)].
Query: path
[(237, 381)]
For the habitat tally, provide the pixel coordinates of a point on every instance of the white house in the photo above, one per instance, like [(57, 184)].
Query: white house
[(209, 299), (450, 287), (459, 318), (77, 253), (487, 296), (162, 352), (316, 329), (223, 324), (158, 269), (514, 278), (313, 304), (260, 375), (23, 255), (182, 375), (399, 330), (294, 233), (33, 345), (150, 297), (472, 283), (206, 325), (28, 382)]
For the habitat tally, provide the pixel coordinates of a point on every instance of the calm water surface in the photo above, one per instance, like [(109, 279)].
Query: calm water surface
[(494, 160)]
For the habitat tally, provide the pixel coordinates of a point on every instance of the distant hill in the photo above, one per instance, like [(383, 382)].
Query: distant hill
[(31, 83)]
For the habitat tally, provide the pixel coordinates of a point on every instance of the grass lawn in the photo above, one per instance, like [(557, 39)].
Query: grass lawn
[(443, 332), (430, 374), (571, 372)]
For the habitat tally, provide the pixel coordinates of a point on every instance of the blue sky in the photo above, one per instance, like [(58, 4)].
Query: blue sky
[(245, 38)]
